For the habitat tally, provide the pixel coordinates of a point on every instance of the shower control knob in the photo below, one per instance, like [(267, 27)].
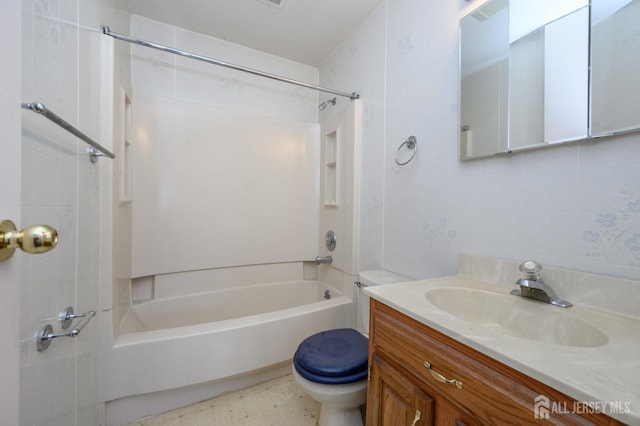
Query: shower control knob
[(32, 239), (330, 240)]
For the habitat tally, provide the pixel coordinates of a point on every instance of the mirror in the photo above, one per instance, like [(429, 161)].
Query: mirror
[(484, 65), (548, 72), (615, 66), (524, 73)]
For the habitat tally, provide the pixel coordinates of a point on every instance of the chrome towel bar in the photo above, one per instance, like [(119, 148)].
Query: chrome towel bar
[(46, 334), (95, 150)]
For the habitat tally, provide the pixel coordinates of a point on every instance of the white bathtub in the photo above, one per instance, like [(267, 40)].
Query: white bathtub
[(218, 336), (224, 305)]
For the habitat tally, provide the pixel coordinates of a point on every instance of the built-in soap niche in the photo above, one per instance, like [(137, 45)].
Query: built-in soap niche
[(331, 175), (142, 289)]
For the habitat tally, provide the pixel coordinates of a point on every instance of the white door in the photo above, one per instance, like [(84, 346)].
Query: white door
[(48, 179), (10, 208)]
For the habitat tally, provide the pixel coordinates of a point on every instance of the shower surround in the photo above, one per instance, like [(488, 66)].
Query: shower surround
[(218, 200)]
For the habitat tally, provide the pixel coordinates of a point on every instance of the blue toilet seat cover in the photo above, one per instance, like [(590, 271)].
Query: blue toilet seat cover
[(340, 354), (330, 380)]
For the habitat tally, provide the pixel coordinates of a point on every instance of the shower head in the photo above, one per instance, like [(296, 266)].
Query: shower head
[(323, 105)]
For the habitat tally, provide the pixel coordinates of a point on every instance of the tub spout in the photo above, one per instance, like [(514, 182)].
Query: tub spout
[(323, 259)]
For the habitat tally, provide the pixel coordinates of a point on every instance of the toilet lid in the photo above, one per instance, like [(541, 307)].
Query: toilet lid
[(333, 353)]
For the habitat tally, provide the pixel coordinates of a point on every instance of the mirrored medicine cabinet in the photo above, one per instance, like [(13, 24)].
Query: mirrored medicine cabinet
[(535, 73)]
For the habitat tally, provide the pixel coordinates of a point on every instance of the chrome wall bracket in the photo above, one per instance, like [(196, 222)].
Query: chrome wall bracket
[(67, 316), (94, 154), (44, 337)]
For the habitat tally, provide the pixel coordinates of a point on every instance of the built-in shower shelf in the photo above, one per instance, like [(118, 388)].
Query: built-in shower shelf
[(331, 178)]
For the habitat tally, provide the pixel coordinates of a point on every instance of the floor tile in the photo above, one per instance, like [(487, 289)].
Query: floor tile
[(278, 402)]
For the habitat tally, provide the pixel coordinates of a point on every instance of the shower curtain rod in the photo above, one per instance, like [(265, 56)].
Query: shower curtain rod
[(107, 31)]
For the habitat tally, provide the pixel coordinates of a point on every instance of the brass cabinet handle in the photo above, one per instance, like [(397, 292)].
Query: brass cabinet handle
[(439, 377), (416, 418)]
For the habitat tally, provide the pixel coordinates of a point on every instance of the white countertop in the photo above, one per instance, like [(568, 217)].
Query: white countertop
[(606, 377)]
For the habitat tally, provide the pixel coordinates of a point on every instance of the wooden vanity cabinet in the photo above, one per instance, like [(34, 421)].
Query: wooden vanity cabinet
[(409, 362), (400, 400)]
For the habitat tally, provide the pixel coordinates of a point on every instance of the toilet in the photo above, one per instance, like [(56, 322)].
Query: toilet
[(331, 366)]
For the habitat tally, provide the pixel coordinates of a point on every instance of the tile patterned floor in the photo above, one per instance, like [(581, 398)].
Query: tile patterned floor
[(279, 402)]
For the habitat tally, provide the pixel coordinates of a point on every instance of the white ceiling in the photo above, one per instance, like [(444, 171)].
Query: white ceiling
[(305, 31)]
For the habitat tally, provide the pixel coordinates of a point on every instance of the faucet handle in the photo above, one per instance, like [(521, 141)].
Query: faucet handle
[(531, 269)]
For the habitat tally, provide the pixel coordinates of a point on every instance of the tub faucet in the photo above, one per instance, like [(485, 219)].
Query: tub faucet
[(532, 286), (323, 259)]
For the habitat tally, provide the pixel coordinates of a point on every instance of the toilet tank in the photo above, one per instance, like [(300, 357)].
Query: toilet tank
[(368, 279)]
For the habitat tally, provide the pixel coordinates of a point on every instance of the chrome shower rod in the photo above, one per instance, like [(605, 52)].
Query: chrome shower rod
[(107, 31), (39, 108)]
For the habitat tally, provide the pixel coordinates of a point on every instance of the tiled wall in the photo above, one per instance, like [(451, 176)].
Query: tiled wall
[(217, 164), (61, 67), (575, 207), (172, 76)]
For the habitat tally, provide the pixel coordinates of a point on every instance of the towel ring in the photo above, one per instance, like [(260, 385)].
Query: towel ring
[(411, 143)]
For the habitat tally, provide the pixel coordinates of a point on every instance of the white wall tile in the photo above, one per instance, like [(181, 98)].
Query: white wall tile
[(61, 188), (359, 63), (152, 70), (168, 75)]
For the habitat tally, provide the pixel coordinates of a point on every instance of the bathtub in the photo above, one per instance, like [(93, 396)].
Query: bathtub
[(213, 337), (224, 307)]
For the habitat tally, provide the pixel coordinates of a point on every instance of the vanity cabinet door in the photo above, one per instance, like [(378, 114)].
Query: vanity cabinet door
[(394, 400), (448, 414)]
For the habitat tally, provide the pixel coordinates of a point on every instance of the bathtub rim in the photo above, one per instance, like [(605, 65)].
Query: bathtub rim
[(202, 329), (164, 299)]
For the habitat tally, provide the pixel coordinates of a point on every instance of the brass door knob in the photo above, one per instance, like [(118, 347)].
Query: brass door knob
[(32, 239)]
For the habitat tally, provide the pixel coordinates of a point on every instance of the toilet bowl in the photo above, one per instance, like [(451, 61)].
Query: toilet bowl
[(331, 366)]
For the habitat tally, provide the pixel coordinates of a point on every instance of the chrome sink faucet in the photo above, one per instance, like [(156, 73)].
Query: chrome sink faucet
[(533, 287)]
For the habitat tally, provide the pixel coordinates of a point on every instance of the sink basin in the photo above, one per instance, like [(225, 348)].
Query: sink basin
[(509, 314)]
